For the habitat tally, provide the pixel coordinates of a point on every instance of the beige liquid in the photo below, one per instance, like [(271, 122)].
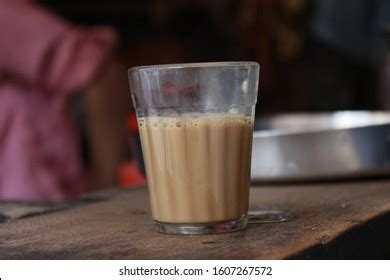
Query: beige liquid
[(198, 169)]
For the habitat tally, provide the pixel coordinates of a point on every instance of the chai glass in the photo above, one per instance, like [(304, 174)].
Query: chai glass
[(196, 124)]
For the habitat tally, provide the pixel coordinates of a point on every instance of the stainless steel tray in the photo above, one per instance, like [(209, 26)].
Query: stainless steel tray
[(296, 147)]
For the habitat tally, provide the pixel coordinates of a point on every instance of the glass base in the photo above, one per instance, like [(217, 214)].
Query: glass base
[(269, 216), (212, 228)]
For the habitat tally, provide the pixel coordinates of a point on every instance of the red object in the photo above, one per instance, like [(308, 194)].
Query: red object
[(132, 124), (130, 176)]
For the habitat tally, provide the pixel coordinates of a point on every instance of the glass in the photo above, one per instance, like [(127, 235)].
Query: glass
[(196, 124)]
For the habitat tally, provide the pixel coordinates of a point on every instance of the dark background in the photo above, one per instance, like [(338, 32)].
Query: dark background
[(301, 69)]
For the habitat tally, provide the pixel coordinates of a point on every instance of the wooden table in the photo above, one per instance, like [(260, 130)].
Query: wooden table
[(330, 220)]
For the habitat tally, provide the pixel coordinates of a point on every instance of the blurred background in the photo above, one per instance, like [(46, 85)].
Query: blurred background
[(315, 55)]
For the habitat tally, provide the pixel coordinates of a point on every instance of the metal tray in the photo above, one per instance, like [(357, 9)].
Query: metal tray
[(296, 147)]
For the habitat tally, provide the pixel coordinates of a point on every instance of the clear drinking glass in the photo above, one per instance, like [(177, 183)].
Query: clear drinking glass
[(196, 124)]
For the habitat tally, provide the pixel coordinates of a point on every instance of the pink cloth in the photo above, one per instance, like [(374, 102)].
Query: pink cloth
[(43, 60)]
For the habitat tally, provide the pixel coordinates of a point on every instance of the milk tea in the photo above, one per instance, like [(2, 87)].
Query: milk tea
[(198, 169)]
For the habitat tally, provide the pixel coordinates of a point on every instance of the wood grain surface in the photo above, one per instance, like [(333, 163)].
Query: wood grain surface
[(333, 220)]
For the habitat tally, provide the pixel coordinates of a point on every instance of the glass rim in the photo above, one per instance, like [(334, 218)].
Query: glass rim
[(194, 65)]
